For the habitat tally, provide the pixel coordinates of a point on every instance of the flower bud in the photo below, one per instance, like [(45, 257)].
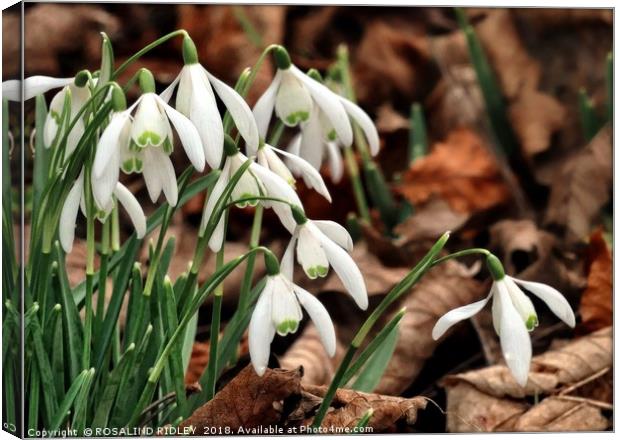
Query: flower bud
[(82, 78), (495, 267), (230, 147), (315, 75), (271, 264), (283, 60), (146, 81), (119, 103), (190, 53), (298, 215)]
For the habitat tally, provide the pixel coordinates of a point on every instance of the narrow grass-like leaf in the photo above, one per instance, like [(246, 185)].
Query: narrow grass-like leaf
[(109, 394), (67, 401), (493, 98), (373, 370), (153, 222), (378, 342), (135, 308), (418, 140), (33, 399), (81, 403), (71, 321), (116, 300)]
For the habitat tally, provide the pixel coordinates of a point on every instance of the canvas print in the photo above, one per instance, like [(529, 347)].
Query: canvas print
[(292, 219)]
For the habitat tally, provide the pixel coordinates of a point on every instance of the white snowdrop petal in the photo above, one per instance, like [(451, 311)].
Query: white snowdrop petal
[(206, 117), (311, 146), (521, 303), (152, 175), (263, 108), (288, 259), (133, 208), (103, 186), (293, 100), (457, 315), (239, 110), (365, 123), (319, 315), (68, 215), (285, 309), (168, 177), (330, 104), (336, 167), (275, 185), (149, 125), (188, 134), (294, 148), (50, 129), (346, 269), (335, 232), (167, 93), (268, 158), (110, 142), (311, 176), (310, 253), (556, 302), (33, 86), (514, 337), (217, 237), (261, 331)]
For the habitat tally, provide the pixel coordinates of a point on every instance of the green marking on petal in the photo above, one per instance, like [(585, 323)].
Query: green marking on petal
[(311, 272), (246, 203), (531, 323), (331, 135), (297, 117), (134, 147), (127, 166), (168, 147), (138, 164), (55, 116), (322, 271), (149, 137), (287, 326)]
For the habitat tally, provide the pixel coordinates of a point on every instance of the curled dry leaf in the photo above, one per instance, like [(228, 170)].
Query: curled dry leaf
[(248, 401), (460, 170), (581, 188), (485, 399), (535, 254), (596, 302), (349, 406)]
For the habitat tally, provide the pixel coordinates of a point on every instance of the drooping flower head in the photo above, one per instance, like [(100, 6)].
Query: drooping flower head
[(196, 100), (76, 200), (319, 244), (267, 156), (318, 140), (278, 310), (295, 96), (513, 316), (256, 181), (142, 143)]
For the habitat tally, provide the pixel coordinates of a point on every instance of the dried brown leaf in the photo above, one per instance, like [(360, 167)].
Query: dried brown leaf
[(461, 171), (596, 302), (535, 254), (349, 406), (494, 390), (247, 401), (581, 188)]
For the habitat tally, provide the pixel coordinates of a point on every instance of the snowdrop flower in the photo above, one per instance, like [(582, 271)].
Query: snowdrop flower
[(143, 144), (321, 243), (78, 97), (278, 310), (75, 200), (296, 98), (267, 156), (33, 86), (513, 316), (318, 138), (196, 100), (256, 181)]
